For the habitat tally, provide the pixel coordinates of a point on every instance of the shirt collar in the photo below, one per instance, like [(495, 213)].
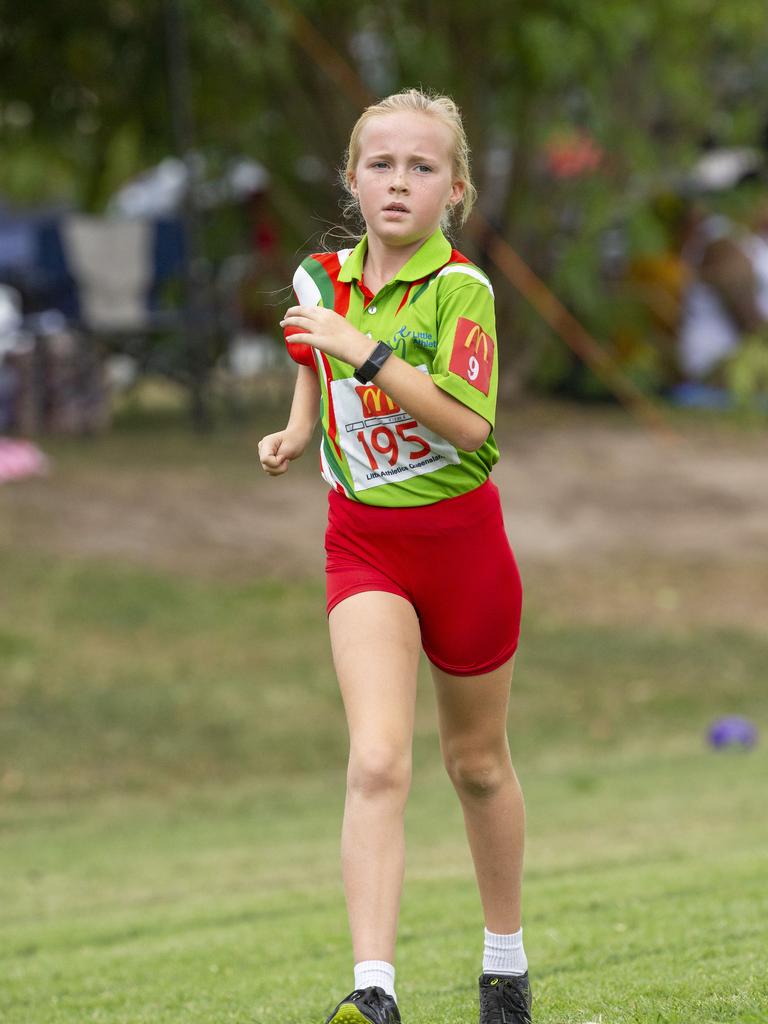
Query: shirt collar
[(434, 253)]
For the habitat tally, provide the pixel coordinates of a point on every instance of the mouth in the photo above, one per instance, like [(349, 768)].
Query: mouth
[(396, 208)]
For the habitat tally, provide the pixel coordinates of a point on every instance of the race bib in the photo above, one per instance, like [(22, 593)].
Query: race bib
[(381, 442)]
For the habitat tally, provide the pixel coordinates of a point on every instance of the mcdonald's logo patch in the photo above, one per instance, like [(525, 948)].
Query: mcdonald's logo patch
[(375, 402), (472, 355)]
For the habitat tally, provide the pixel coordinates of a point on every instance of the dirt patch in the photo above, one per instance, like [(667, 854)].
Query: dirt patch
[(608, 521)]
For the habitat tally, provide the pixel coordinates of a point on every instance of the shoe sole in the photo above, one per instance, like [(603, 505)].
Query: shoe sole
[(348, 1014)]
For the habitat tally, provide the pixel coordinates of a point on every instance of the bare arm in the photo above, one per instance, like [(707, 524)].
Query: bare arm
[(418, 394), (278, 450), (305, 408), (413, 390)]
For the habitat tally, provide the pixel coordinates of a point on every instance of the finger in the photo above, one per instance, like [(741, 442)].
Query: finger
[(306, 311), (288, 451), (273, 459), (309, 338), (267, 446), (301, 321)]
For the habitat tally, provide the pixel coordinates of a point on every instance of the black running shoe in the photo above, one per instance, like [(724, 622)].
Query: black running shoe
[(505, 999), (366, 1006)]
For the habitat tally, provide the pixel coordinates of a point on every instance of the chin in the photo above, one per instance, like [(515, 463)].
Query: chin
[(400, 234)]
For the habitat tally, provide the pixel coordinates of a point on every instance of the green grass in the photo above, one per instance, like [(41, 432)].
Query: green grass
[(123, 678), (645, 901), (172, 762), (172, 754)]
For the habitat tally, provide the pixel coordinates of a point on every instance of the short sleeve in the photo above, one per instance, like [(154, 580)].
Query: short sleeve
[(466, 360), (306, 294)]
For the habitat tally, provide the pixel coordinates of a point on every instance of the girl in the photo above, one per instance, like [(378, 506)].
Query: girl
[(396, 343)]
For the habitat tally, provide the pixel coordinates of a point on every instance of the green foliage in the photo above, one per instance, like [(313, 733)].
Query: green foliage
[(85, 106), (525, 65), (746, 374)]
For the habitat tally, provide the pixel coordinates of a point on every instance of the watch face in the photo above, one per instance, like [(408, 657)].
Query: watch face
[(381, 353)]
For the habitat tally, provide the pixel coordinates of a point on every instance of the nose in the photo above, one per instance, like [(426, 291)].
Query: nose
[(398, 183)]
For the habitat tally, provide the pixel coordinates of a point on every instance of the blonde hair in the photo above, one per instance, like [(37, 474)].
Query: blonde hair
[(416, 101)]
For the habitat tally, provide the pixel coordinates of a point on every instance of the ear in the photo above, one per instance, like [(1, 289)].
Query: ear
[(352, 182), (457, 191)]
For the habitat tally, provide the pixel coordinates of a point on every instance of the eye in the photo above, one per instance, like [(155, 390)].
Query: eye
[(423, 167), (379, 163)]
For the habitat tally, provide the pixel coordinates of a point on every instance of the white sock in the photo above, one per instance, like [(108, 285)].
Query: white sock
[(376, 972), (504, 954)]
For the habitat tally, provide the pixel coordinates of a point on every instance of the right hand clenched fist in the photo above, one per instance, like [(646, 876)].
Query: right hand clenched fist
[(276, 451)]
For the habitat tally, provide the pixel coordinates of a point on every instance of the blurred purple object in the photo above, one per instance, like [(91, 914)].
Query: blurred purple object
[(733, 731)]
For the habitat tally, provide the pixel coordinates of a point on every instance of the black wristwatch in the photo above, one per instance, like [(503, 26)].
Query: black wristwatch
[(373, 363)]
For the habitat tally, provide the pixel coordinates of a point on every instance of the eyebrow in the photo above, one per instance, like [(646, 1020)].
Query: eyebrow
[(414, 156)]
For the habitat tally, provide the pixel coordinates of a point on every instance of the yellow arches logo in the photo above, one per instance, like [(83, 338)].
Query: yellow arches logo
[(472, 356), (375, 402), (476, 338)]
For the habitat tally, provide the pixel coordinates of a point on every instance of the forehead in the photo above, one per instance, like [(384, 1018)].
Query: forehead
[(406, 131)]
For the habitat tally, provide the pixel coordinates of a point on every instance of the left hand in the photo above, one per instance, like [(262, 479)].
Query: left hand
[(326, 330)]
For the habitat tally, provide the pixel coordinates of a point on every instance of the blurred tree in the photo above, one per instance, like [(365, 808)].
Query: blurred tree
[(85, 85), (84, 105), (625, 82)]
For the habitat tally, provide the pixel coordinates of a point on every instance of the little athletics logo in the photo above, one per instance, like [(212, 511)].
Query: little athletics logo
[(422, 338)]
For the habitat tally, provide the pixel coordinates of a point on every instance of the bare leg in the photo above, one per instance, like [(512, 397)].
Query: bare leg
[(376, 641), (473, 737)]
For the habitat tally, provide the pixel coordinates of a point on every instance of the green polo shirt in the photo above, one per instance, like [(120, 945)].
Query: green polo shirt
[(437, 314)]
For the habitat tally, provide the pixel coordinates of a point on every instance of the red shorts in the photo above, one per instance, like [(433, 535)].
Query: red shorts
[(452, 561)]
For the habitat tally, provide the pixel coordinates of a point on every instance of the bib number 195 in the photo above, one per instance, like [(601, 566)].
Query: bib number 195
[(384, 442)]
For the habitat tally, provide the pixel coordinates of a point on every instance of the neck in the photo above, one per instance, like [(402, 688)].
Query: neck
[(383, 261)]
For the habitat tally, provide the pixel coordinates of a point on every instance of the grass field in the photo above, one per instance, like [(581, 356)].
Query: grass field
[(172, 756)]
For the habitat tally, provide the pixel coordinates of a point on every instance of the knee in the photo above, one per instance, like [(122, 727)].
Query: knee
[(374, 772), (478, 773)]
